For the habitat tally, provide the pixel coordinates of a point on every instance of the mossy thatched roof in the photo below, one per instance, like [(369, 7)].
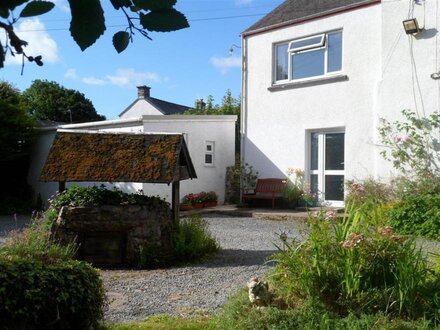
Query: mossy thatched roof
[(117, 157)]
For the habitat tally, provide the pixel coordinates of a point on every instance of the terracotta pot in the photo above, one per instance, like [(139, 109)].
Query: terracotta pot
[(185, 207), (210, 204), (198, 206)]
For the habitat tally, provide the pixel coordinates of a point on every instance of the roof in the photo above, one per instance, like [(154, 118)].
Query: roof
[(293, 11), (167, 108), (117, 157)]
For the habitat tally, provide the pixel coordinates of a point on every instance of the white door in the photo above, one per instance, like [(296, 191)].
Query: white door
[(327, 166)]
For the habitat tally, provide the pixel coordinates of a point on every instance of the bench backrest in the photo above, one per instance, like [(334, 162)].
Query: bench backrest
[(270, 185)]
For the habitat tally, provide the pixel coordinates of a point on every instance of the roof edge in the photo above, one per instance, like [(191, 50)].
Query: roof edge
[(339, 10)]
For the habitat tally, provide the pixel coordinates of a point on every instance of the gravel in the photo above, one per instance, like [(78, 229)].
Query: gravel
[(199, 288)]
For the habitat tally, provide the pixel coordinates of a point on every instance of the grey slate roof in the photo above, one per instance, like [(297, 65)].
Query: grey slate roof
[(168, 108), (291, 11)]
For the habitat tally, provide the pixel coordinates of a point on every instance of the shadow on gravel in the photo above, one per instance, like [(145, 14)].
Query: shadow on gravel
[(237, 258)]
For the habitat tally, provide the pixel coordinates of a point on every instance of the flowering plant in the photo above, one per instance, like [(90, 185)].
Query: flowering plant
[(293, 188)]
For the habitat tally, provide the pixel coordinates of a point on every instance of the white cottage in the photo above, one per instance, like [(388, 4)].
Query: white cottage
[(318, 75), (210, 140)]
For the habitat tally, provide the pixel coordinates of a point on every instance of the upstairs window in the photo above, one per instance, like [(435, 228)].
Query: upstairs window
[(308, 57)]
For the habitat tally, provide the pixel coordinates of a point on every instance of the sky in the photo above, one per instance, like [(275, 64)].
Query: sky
[(179, 66)]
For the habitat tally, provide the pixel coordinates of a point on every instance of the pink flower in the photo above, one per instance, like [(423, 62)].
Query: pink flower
[(406, 138), (330, 215), (397, 139)]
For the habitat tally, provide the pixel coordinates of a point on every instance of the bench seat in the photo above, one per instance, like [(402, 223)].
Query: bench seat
[(266, 189)]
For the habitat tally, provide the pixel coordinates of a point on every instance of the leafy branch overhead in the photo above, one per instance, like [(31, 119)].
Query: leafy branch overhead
[(88, 22)]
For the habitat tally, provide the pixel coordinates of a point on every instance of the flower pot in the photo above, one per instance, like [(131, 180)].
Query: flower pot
[(210, 204), (198, 206), (185, 207)]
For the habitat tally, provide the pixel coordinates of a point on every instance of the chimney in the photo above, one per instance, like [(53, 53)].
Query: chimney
[(200, 104), (143, 92)]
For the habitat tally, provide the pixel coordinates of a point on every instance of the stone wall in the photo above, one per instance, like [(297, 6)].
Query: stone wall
[(115, 236)]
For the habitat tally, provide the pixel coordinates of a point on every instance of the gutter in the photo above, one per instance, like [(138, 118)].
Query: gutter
[(311, 17)]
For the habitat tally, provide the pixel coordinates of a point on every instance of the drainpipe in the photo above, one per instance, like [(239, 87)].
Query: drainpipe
[(243, 110)]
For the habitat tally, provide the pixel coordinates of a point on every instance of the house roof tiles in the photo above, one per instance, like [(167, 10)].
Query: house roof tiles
[(117, 157), (292, 11)]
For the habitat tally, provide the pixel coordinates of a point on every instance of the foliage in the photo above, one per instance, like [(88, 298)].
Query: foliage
[(293, 188), (200, 198), (191, 239), (417, 214), (47, 100), (249, 177), (58, 295), (413, 145), (239, 314), (369, 190), (163, 322), (88, 24), (93, 196), (42, 287), (358, 266)]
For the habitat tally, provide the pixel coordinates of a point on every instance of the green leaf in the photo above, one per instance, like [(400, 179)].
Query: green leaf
[(4, 12), (11, 4), (117, 4), (36, 8), (121, 40), (155, 4), (164, 20), (2, 56), (87, 23)]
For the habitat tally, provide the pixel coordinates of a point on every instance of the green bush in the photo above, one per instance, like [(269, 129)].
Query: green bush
[(61, 295), (352, 266), (191, 239), (94, 196), (417, 214)]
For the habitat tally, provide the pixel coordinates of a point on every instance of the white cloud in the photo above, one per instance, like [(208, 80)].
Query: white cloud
[(243, 2), (129, 77), (121, 78), (39, 42), (62, 5), (224, 64), (93, 81), (71, 74)]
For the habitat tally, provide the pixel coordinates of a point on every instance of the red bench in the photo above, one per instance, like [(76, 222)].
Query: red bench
[(266, 189)]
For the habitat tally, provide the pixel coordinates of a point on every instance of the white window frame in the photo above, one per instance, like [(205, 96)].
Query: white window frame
[(323, 44), (209, 152), (321, 171)]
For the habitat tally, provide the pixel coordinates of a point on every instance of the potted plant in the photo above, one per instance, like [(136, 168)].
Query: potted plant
[(197, 200), (186, 204), (293, 188), (211, 199)]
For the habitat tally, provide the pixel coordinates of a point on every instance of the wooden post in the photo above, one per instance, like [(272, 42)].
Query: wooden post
[(175, 201), (61, 186)]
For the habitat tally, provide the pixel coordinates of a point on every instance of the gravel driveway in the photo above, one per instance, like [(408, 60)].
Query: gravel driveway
[(183, 291)]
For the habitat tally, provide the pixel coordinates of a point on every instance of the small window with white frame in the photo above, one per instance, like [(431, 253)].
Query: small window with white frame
[(308, 57), (209, 153)]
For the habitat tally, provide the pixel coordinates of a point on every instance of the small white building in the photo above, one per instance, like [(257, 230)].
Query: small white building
[(318, 76), (210, 140)]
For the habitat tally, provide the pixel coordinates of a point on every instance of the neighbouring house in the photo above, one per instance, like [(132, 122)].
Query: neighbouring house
[(147, 105), (209, 139), (317, 77)]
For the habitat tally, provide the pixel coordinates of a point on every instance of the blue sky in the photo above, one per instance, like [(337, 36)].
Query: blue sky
[(179, 66)]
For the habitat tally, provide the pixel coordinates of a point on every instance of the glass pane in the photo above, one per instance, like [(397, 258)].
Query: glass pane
[(334, 187), (208, 147), (314, 183), (208, 159), (313, 42), (334, 151), (314, 151), (308, 64), (281, 62), (334, 52)]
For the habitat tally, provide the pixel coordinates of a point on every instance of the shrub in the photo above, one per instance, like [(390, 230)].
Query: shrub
[(60, 295), (358, 266), (191, 239), (369, 191), (93, 196)]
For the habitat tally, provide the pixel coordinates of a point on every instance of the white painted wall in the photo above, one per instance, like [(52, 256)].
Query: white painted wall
[(197, 130), (140, 107), (276, 123)]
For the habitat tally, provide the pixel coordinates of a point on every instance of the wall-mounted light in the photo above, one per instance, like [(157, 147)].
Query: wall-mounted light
[(231, 50), (411, 26)]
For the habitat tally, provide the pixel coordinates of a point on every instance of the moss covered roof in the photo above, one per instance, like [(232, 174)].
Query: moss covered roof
[(117, 157)]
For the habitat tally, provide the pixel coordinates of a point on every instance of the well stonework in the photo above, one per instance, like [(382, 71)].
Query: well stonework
[(116, 235)]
